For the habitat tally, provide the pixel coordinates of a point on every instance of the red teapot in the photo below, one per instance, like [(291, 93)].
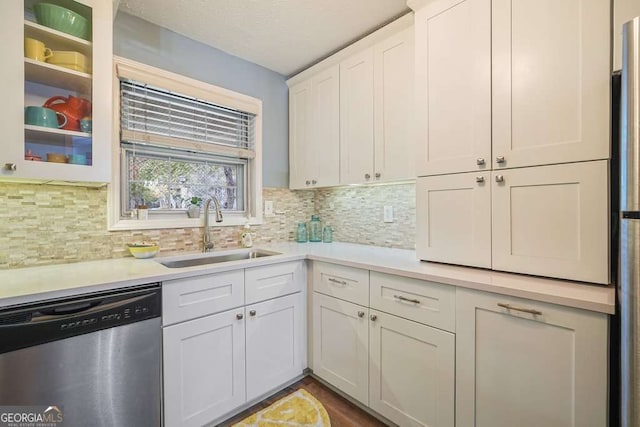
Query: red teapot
[(73, 108)]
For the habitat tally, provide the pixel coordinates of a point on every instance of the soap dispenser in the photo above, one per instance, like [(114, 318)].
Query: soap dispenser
[(246, 236)]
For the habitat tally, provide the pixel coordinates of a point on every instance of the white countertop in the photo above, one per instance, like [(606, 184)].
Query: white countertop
[(27, 285)]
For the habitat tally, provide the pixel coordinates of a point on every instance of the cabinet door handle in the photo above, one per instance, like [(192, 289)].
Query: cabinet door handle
[(314, 182), (336, 281), (378, 174), (367, 176), (479, 179), (523, 310), (480, 161), (252, 313), (10, 166), (401, 298), (500, 159), (239, 316), (361, 314), (499, 178), (307, 182), (373, 317)]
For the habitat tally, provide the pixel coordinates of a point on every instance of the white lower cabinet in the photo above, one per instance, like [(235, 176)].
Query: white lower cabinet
[(411, 372), (275, 343), (402, 369), (341, 345), (215, 362), (528, 364), (204, 368)]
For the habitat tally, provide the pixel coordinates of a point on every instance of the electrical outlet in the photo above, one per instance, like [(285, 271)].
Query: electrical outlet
[(268, 207), (388, 214)]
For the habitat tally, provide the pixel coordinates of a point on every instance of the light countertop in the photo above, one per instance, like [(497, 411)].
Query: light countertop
[(28, 285)]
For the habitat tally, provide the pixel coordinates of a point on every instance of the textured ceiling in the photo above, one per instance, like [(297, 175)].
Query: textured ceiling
[(285, 36)]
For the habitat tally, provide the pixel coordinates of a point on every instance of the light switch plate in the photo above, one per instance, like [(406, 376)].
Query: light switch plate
[(388, 214), (268, 207)]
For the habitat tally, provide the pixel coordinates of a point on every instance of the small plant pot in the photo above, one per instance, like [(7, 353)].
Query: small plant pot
[(193, 212)]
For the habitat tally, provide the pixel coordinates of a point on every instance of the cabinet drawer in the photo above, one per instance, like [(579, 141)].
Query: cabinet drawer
[(425, 302), (347, 283), (272, 281), (185, 299)]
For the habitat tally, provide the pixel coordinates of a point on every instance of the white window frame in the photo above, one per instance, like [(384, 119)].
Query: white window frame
[(127, 69)]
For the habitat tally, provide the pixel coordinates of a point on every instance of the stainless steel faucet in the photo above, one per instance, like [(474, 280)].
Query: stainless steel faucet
[(207, 243)]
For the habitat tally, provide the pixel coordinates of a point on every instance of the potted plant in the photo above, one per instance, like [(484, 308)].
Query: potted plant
[(194, 209)]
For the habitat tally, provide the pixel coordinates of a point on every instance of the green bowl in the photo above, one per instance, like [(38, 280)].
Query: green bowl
[(62, 19)]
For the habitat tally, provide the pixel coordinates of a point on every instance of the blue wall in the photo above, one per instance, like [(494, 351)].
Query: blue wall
[(150, 44)]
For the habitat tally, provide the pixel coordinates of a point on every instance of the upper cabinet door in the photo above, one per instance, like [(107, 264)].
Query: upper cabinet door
[(356, 118), (551, 68), (393, 108), (299, 134), (453, 222), (552, 221), (30, 81), (453, 86), (324, 150)]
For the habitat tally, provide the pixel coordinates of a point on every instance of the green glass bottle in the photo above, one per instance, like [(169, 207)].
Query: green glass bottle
[(315, 229)]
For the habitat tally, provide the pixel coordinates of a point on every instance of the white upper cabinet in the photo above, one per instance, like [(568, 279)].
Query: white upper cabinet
[(351, 115), (552, 221), (453, 86), (376, 117), (324, 161), (453, 221), (314, 131), (394, 157), (551, 72), (356, 118), (82, 157), (299, 134)]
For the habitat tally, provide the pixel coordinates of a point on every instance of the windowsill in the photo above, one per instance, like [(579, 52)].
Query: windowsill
[(160, 223)]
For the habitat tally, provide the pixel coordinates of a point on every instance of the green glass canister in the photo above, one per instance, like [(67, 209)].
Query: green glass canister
[(327, 234), (315, 229), (301, 232)]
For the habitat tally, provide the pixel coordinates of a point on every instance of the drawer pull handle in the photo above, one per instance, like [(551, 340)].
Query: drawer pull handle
[(252, 313), (373, 317), (361, 314), (401, 298), (524, 310), (339, 282), (239, 316)]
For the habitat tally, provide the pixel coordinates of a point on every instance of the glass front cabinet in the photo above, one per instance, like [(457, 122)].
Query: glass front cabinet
[(56, 78)]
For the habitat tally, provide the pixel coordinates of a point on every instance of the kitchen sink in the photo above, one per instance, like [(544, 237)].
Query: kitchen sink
[(204, 259)]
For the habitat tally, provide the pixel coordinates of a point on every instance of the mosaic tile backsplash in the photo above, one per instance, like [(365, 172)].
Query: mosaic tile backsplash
[(48, 224)]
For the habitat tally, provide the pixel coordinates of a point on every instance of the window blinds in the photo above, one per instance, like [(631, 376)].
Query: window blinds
[(163, 118)]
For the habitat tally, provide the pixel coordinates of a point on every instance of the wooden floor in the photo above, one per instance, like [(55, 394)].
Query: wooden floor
[(342, 413)]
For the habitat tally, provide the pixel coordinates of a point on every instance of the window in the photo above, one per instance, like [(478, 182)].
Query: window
[(179, 138)]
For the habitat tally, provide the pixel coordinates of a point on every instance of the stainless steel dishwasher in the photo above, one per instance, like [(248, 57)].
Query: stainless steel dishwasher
[(96, 357)]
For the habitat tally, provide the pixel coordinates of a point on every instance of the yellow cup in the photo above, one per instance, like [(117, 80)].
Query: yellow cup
[(35, 49)]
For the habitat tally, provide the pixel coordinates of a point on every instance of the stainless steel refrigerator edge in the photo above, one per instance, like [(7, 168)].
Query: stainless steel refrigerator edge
[(629, 274)]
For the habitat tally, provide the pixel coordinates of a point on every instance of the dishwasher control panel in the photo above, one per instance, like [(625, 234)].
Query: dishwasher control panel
[(57, 320)]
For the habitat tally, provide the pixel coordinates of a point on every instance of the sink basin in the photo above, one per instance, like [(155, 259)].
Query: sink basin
[(204, 259)]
